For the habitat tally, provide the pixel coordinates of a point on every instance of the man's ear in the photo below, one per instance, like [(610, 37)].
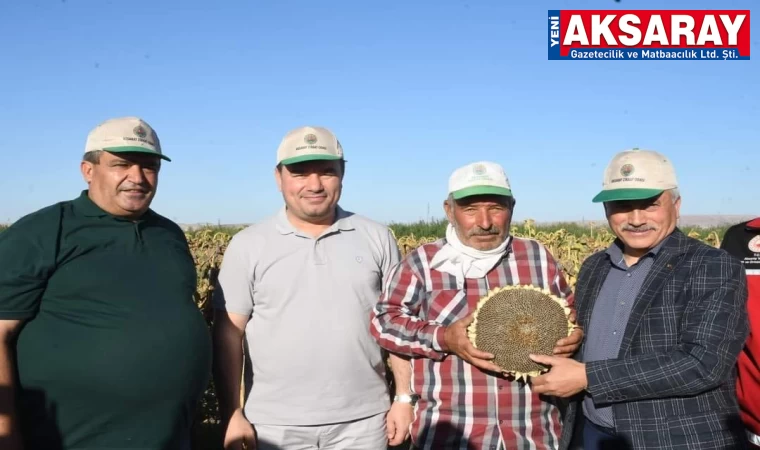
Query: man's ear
[(448, 208), (86, 168), (278, 177), (677, 205)]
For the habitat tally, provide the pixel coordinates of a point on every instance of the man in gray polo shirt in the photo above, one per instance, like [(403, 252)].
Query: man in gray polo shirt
[(665, 321), (300, 286)]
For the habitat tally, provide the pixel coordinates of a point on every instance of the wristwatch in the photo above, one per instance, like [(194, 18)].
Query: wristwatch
[(407, 398)]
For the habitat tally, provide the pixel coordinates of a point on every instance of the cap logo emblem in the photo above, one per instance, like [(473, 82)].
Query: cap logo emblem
[(140, 131), (479, 169), (754, 244), (310, 139), (626, 170)]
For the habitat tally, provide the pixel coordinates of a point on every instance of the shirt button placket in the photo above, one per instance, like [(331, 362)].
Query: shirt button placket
[(318, 252)]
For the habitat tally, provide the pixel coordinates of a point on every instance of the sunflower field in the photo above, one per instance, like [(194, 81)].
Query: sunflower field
[(570, 245)]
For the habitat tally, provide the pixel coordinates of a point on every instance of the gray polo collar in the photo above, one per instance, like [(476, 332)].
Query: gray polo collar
[(342, 222)]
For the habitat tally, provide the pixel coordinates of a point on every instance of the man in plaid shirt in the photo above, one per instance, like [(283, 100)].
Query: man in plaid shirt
[(464, 400)]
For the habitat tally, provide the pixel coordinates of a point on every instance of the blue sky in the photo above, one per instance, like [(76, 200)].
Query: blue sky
[(413, 89)]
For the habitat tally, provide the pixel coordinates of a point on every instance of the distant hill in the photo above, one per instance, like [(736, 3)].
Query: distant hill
[(713, 221), (704, 221)]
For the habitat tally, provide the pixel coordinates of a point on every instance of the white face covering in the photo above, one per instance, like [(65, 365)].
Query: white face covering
[(462, 261)]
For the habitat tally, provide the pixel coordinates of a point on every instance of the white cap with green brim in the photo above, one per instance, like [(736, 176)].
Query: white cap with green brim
[(636, 175), (124, 135), (309, 144), (479, 178)]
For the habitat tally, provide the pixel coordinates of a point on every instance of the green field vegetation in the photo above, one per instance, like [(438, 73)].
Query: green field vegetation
[(437, 228), (570, 243)]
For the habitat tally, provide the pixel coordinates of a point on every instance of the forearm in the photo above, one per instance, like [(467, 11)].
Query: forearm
[(407, 335), (678, 373), (402, 374), (8, 419), (227, 369)]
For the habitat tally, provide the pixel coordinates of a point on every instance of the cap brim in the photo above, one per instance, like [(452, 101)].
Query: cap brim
[(626, 194), (135, 150), (303, 158), (481, 190)]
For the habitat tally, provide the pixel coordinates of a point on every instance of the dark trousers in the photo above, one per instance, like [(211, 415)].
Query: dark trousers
[(598, 438)]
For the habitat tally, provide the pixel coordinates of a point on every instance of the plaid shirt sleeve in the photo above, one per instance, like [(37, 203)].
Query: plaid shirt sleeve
[(395, 321), (714, 329), (559, 286)]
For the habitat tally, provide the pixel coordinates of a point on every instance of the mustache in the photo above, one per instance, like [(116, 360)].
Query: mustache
[(628, 227), (136, 187), (477, 231)]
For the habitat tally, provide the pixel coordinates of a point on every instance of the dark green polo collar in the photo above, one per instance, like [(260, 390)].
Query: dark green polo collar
[(88, 208)]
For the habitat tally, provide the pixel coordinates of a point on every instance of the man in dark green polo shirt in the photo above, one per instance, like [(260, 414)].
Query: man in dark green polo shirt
[(102, 344)]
